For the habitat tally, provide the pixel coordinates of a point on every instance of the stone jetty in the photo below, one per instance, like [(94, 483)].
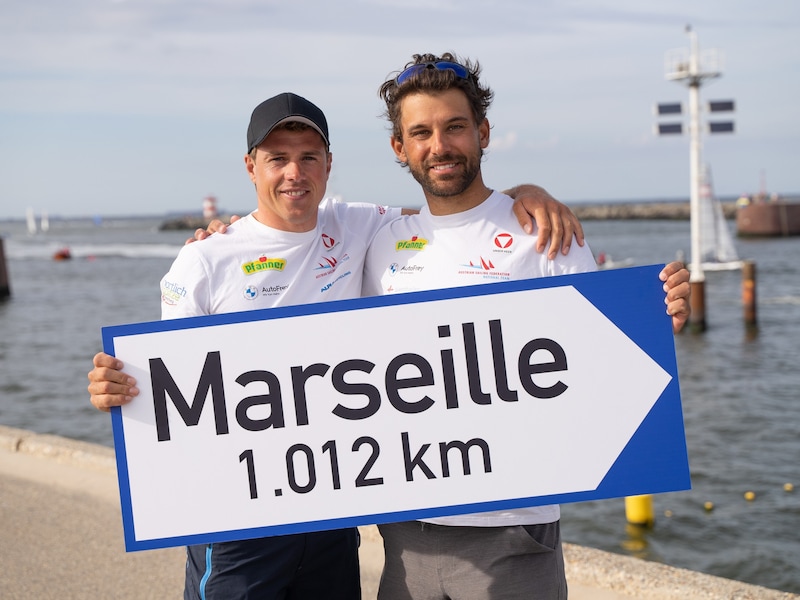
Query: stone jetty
[(584, 211), (642, 210)]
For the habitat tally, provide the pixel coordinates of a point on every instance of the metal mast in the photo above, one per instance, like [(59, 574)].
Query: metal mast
[(692, 70)]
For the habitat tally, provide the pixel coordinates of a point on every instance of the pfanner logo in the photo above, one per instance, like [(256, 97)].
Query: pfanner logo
[(263, 264), (415, 243)]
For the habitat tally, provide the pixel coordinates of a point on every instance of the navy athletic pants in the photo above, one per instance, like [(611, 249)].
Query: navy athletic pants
[(306, 566)]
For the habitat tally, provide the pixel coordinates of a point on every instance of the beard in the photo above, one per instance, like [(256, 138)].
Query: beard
[(446, 185)]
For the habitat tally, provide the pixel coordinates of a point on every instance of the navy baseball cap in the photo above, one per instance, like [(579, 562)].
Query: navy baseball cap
[(281, 109)]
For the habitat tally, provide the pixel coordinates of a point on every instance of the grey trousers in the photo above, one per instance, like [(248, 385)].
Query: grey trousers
[(436, 562)]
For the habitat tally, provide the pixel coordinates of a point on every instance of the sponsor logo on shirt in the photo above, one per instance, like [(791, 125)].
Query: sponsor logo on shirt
[(415, 243), (503, 243), (396, 269), (273, 290), (330, 284), (171, 293), (251, 292), (263, 263), (393, 289)]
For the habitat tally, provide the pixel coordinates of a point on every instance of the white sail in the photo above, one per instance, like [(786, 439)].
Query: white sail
[(717, 249), (31, 219)]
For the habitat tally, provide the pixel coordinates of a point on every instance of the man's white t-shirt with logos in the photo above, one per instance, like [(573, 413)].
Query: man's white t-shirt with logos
[(253, 266), (483, 245)]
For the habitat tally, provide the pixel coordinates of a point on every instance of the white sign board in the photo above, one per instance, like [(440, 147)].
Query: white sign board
[(408, 406)]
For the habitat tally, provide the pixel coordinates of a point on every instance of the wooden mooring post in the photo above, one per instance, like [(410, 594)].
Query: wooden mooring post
[(5, 285), (749, 293), (697, 301)]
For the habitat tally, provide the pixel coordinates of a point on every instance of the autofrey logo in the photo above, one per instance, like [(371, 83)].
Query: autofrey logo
[(393, 268), (251, 292)]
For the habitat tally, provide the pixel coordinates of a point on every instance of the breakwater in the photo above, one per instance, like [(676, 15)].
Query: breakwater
[(674, 211), (644, 210)]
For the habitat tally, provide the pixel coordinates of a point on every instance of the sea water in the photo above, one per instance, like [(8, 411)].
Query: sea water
[(739, 387)]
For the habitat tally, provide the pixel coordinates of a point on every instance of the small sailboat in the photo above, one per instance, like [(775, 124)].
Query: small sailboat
[(717, 250), (30, 217)]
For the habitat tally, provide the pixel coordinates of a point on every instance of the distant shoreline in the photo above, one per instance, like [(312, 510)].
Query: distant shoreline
[(643, 210), (585, 212)]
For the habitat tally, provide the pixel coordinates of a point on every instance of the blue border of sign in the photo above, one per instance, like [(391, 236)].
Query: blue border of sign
[(655, 460)]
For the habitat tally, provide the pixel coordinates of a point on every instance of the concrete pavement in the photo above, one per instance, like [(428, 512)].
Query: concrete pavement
[(62, 538)]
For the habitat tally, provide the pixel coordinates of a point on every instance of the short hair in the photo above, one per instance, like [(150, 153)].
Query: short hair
[(435, 79)]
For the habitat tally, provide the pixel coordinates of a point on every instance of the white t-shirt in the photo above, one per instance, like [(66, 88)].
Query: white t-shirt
[(482, 245), (253, 266)]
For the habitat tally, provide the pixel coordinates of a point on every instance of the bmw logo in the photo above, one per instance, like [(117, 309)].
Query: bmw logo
[(251, 292)]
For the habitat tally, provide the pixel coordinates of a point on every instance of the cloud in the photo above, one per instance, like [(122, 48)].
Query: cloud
[(575, 82), (507, 142)]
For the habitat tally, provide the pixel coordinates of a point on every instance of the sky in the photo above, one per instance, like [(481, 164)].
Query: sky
[(140, 107)]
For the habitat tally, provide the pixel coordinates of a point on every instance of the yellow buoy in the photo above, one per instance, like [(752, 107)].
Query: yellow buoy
[(749, 496), (639, 510), (788, 487), (709, 506)]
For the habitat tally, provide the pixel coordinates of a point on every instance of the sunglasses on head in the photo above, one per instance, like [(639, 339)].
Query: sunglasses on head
[(441, 65)]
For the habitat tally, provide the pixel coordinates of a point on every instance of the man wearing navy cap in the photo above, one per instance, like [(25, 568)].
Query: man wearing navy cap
[(270, 258)]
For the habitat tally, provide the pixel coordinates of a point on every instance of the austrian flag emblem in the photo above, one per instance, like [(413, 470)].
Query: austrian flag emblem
[(503, 240)]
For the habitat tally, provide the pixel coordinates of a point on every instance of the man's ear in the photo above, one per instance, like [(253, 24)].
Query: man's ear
[(399, 149), (250, 165), (483, 131)]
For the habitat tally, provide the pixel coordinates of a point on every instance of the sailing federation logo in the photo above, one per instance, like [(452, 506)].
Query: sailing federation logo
[(485, 268), (483, 265), (328, 264)]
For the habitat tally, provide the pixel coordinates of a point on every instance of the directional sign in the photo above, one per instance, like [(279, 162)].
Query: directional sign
[(409, 406)]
